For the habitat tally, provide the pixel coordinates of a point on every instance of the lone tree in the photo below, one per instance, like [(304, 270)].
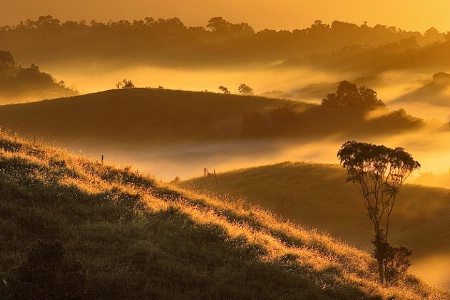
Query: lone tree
[(379, 172), (245, 89), (224, 89)]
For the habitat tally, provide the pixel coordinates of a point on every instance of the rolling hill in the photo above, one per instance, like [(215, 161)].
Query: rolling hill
[(318, 197), (159, 117), (435, 92), (136, 115), (119, 234)]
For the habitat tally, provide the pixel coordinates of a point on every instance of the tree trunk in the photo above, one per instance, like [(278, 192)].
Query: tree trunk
[(381, 271)]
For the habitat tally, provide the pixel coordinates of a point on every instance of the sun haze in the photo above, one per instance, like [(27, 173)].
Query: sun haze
[(418, 15)]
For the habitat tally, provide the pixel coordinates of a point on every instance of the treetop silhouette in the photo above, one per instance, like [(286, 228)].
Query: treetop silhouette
[(348, 95)]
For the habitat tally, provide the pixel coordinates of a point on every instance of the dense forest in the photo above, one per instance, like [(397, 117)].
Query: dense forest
[(221, 43)]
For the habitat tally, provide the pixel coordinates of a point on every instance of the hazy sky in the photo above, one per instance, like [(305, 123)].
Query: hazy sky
[(415, 15)]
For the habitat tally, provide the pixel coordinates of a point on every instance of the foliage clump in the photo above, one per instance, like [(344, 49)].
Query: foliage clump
[(349, 96), (224, 89), (125, 84), (244, 89)]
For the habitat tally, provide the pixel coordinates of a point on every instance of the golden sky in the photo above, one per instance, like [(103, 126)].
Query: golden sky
[(411, 15)]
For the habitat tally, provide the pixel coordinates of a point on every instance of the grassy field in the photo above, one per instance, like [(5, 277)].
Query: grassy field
[(317, 196), (124, 235)]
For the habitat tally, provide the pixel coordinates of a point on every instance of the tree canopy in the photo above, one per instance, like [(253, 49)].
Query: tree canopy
[(348, 95), (224, 89), (378, 172), (245, 89)]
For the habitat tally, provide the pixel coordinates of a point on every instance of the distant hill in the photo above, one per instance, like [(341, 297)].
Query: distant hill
[(94, 231), (431, 179), (400, 55), (18, 84), (317, 196), (435, 92), (158, 116), (145, 116)]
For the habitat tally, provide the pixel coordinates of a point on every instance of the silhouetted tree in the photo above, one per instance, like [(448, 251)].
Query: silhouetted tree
[(319, 28), (244, 89), (379, 172), (169, 26), (433, 35), (219, 25), (349, 96), (46, 22), (224, 90), (222, 27), (125, 84)]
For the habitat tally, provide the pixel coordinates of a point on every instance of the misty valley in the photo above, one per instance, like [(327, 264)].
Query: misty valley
[(157, 138)]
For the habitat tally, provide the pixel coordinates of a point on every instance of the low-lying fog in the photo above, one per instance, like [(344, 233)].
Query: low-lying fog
[(430, 146), (408, 90), (427, 146)]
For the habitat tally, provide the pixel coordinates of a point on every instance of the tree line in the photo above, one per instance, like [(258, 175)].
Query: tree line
[(220, 41)]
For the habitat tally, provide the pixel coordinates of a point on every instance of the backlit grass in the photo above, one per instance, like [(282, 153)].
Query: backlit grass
[(317, 196), (138, 238)]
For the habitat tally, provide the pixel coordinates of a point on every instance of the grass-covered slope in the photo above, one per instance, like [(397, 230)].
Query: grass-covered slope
[(127, 236), (317, 196), (136, 115), (158, 116)]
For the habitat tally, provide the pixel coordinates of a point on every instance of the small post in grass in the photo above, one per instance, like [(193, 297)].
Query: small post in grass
[(215, 177)]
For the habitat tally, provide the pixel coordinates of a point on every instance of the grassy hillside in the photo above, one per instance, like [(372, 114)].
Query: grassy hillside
[(158, 116), (136, 115), (122, 235), (317, 196)]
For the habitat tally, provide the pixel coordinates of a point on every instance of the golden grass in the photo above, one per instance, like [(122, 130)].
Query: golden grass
[(317, 196), (329, 262)]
